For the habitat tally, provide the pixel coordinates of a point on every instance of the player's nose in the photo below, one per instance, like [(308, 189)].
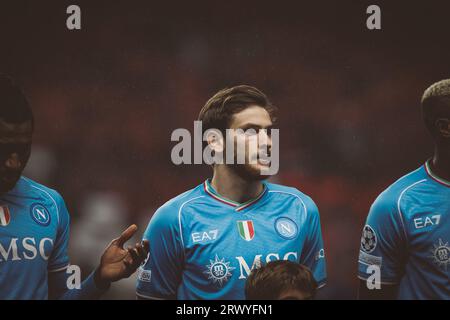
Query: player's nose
[(264, 138)]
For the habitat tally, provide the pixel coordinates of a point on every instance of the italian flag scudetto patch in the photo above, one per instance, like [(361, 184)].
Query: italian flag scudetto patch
[(5, 216), (246, 229)]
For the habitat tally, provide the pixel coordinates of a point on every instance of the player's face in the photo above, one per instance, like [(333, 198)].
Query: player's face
[(442, 124), (257, 142), (443, 129), (15, 149)]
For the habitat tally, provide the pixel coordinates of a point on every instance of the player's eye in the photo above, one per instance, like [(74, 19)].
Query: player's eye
[(251, 132)]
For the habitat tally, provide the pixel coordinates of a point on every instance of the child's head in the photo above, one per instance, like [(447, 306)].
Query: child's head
[(281, 280)]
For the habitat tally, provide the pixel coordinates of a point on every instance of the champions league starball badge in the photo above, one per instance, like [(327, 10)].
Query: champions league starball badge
[(368, 239)]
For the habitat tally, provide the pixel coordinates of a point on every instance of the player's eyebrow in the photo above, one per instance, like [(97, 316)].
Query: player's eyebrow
[(254, 126)]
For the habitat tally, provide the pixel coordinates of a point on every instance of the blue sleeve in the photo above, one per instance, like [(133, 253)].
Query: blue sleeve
[(59, 258), (88, 290), (59, 261), (160, 275), (383, 241), (313, 254)]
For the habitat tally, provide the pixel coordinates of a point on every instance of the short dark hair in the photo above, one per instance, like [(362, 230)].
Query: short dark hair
[(271, 280), (14, 106), (436, 103), (220, 108)]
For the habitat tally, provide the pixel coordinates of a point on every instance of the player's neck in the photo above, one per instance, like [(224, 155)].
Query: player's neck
[(231, 186), (440, 163)]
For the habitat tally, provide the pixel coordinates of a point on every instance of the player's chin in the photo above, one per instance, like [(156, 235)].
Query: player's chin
[(6, 186), (257, 172)]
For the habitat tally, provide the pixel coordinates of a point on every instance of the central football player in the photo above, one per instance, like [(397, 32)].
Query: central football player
[(205, 242)]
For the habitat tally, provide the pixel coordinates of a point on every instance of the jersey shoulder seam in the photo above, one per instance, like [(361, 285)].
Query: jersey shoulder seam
[(294, 195), (399, 199), (180, 209), (42, 190)]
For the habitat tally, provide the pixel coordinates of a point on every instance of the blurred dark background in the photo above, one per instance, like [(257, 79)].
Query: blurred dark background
[(107, 97)]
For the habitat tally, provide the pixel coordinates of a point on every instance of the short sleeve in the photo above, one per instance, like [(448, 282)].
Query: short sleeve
[(160, 275), (59, 258), (383, 241), (313, 254)]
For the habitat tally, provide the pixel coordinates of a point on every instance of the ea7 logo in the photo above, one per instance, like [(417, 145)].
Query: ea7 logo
[(245, 269), (420, 223), (204, 236)]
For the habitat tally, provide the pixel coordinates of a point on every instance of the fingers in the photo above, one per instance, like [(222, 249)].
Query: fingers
[(146, 245), (136, 255), (141, 251), (126, 235), (128, 267), (130, 261)]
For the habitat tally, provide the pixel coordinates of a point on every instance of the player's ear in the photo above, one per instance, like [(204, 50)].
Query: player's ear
[(215, 140), (443, 127)]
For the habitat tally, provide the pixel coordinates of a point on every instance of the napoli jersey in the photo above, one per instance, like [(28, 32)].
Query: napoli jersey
[(407, 234), (34, 231), (203, 246)]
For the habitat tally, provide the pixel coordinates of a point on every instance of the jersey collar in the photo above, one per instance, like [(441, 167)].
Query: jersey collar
[(434, 176), (238, 206)]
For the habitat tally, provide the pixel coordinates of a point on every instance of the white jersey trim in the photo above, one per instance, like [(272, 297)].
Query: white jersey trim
[(48, 194), (179, 217), (400, 199), (381, 282), (59, 269), (148, 297), (295, 195)]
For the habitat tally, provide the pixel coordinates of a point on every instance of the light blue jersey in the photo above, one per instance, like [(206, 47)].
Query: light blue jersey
[(34, 233), (203, 246), (407, 234)]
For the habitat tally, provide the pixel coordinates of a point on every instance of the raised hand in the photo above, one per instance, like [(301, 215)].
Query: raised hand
[(116, 262)]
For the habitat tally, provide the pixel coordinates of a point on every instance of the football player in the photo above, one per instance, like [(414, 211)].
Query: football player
[(205, 242), (405, 251), (34, 222)]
